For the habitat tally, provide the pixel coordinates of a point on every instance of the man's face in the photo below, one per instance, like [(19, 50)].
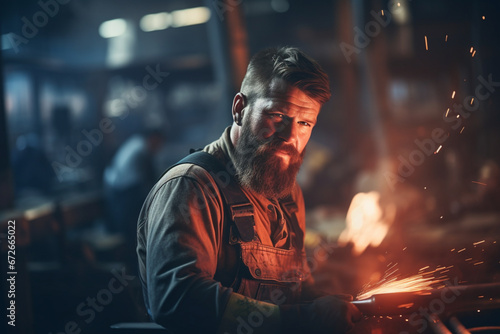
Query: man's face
[(275, 129)]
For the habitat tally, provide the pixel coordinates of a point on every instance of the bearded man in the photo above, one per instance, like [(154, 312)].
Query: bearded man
[(221, 235)]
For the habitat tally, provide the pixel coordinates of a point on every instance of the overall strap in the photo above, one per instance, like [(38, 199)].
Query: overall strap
[(240, 208), (290, 209)]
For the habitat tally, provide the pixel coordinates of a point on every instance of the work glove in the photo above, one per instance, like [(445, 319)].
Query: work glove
[(328, 314)]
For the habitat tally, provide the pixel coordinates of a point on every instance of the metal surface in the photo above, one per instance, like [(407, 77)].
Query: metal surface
[(457, 326)]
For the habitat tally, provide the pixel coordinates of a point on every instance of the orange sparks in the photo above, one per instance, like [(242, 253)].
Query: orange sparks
[(484, 18), (382, 12), (461, 250), (423, 268), (478, 263), (447, 111), (406, 305), (462, 129), (480, 297), (392, 283), (481, 183), (452, 249), (438, 149), (473, 53), (446, 38), (453, 95), (426, 46), (471, 49), (409, 284), (479, 242), (468, 259)]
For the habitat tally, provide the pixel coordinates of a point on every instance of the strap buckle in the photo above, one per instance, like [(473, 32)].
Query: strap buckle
[(241, 210), (243, 217)]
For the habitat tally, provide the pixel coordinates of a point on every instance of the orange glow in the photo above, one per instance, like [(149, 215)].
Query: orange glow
[(367, 223), (426, 46)]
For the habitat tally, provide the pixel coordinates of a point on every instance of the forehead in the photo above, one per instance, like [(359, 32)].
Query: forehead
[(282, 94)]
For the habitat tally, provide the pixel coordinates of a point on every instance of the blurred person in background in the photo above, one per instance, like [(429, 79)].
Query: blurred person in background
[(221, 235), (33, 173), (128, 179)]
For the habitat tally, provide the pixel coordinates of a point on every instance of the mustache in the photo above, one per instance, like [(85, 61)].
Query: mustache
[(279, 145)]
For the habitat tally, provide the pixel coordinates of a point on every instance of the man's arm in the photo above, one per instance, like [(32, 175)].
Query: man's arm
[(184, 231)]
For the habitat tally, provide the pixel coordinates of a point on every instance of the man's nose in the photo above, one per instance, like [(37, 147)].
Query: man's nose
[(287, 131)]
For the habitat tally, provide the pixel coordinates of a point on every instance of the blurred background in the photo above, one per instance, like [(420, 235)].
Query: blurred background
[(97, 98)]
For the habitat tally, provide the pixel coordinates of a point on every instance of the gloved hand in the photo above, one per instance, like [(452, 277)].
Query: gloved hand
[(329, 314)]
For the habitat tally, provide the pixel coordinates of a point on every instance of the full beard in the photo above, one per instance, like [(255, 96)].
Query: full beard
[(258, 167)]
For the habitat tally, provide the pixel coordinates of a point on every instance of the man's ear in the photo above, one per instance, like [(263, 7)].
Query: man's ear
[(239, 104)]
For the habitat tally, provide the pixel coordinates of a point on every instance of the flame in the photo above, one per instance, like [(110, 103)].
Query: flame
[(391, 283), (367, 223)]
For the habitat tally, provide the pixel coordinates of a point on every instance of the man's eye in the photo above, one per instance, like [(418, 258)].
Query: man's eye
[(281, 116), (305, 123)]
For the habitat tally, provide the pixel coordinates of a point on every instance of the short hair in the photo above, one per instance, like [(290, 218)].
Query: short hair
[(290, 64)]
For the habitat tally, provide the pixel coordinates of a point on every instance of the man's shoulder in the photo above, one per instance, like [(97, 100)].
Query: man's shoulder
[(187, 171)]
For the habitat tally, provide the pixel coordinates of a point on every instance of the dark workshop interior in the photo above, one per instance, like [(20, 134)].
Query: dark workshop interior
[(401, 178)]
